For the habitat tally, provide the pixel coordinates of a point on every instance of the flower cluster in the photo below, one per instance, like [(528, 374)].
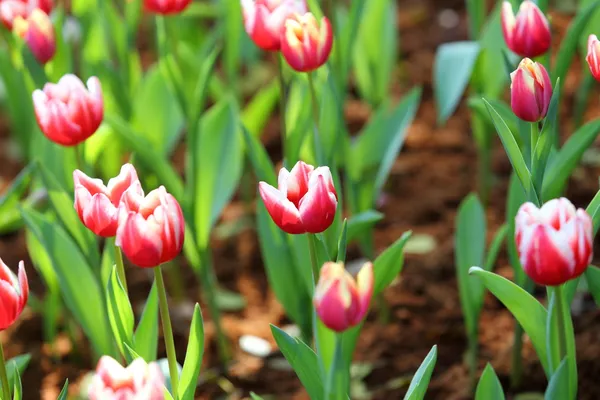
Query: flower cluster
[(149, 229), (286, 25)]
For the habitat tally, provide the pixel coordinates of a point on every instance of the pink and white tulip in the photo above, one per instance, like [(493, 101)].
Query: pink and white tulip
[(10, 9), (306, 43), (593, 56), (14, 293), (528, 33), (341, 301), (151, 229), (305, 200), (98, 205), (139, 381), (554, 242), (530, 91), (37, 31), (67, 112)]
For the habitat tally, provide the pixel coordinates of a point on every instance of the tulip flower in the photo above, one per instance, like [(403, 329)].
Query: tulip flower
[(37, 31), (10, 9), (151, 229), (13, 294), (528, 33), (305, 200), (593, 56), (98, 205), (306, 44), (67, 112), (530, 91), (264, 20), (554, 242), (166, 7), (139, 381), (341, 301)]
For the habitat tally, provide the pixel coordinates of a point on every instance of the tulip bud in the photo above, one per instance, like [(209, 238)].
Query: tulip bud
[(304, 44), (305, 200), (67, 112), (166, 7), (98, 205), (37, 31), (554, 242), (139, 381), (264, 20), (593, 56), (528, 33), (10, 9), (13, 294), (151, 229), (340, 301), (530, 91)]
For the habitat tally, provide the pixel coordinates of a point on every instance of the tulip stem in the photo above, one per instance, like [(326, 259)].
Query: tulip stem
[(121, 268), (4, 375), (315, 112), (560, 321), (282, 101), (516, 370), (313, 257), (167, 330), (79, 157), (336, 384), (535, 133)]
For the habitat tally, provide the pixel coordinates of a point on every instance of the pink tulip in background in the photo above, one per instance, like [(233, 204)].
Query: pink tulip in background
[(14, 293), (306, 43), (37, 31), (166, 7), (10, 9), (528, 33)]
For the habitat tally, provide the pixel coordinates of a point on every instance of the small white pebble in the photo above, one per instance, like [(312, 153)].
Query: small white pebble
[(292, 330), (255, 346), (448, 19)]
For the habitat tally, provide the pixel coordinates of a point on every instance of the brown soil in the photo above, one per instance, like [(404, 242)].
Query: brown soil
[(434, 172)]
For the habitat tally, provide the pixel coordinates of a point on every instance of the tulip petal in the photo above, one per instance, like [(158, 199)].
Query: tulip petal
[(318, 206), (283, 212)]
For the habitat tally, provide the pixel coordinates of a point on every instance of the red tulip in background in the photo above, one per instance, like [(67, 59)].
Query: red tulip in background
[(166, 7), (98, 205), (530, 91), (305, 43), (67, 112), (37, 31), (264, 20), (528, 33), (151, 229), (305, 200), (13, 294), (554, 242), (10, 9), (139, 381), (593, 56), (341, 301)]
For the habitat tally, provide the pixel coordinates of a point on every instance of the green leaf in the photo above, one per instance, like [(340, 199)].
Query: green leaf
[(15, 367), (489, 386), (120, 313), (452, 68), (523, 306), (389, 264), (362, 221), (10, 217), (64, 392), (79, 286), (17, 386), (259, 110), (193, 358), (567, 159), (516, 197), (342, 243), (470, 250), (254, 396), (219, 160), (263, 167), (593, 209), (303, 360), (495, 247), (478, 105), (146, 333), (592, 275), (420, 382), (558, 387)]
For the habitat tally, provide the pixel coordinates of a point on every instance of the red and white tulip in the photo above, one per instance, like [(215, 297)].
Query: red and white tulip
[(530, 91), (527, 33), (14, 292), (306, 43)]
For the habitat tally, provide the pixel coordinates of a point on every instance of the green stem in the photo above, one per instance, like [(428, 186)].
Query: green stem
[(167, 331), (331, 391), (282, 101), (209, 285), (4, 376), (566, 338), (560, 321), (472, 358), (312, 245), (516, 370), (476, 10), (315, 113), (535, 133), (121, 268), (79, 157)]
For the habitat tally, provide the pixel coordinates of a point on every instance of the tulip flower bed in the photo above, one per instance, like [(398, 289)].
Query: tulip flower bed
[(264, 199)]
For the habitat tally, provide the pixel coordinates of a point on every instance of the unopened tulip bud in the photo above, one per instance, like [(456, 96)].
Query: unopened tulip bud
[(305, 200), (528, 33), (593, 56), (151, 229), (67, 112), (264, 20), (167, 7), (554, 242), (139, 381), (37, 31), (98, 205), (530, 91), (341, 301), (13, 294), (306, 44)]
